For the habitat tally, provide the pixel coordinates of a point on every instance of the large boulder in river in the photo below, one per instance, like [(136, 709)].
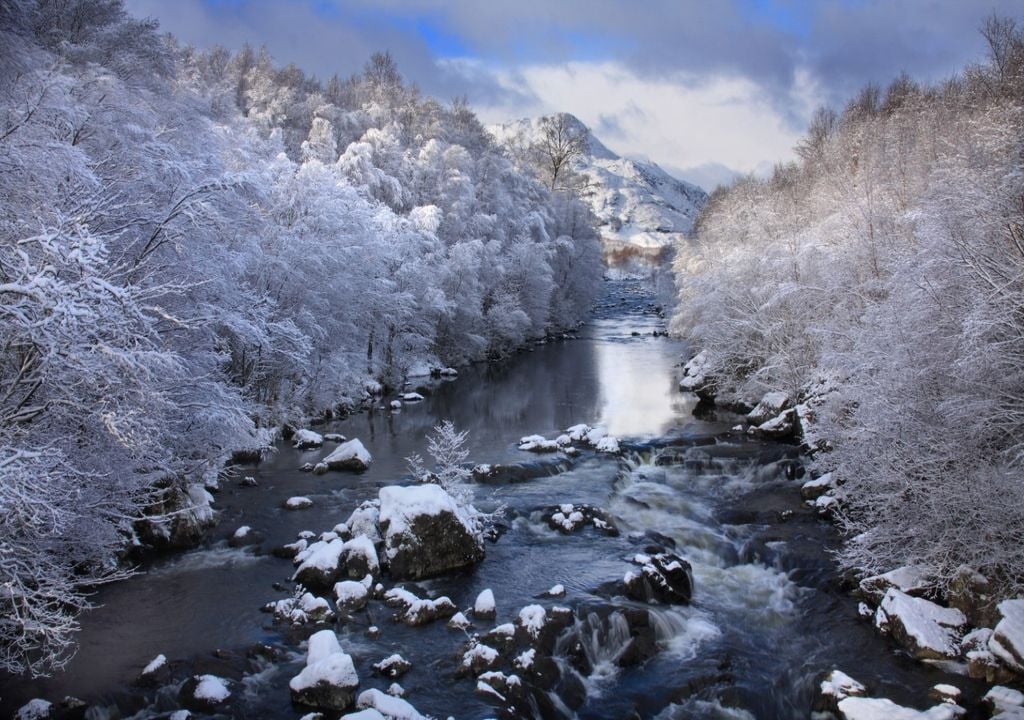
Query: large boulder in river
[(178, 519), (351, 455), (426, 532), (928, 630), (329, 679), (320, 564)]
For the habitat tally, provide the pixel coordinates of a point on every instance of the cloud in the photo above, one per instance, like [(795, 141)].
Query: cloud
[(682, 122), (689, 83)]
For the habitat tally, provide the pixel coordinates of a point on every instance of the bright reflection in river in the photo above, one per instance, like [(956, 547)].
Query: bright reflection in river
[(637, 379)]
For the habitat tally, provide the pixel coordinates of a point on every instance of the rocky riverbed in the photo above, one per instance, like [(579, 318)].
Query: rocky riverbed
[(630, 559)]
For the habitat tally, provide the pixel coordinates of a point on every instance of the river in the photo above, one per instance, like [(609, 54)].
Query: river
[(770, 615)]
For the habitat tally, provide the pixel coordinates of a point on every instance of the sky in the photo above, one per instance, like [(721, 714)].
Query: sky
[(705, 88)]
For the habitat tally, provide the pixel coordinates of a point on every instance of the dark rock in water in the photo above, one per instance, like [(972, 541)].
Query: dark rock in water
[(70, 708), (521, 472), (393, 667), (665, 578), (572, 691), (639, 650), (178, 519), (247, 456)]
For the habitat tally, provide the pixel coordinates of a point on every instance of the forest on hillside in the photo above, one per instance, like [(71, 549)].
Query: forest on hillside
[(883, 274), (198, 246)]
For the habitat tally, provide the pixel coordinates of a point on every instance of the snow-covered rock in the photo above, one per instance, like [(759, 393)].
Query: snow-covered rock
[(557, 590), (608, 444), (329, 679), (365, 520), (927, 630), (244, 535), (484, 608), (860, 708), (696, 372), (155, 673), (305, 439), (396, 404), (568, 518), (459, 621), (838, 685), (537, 444), (319, 564), (532, 619), (393, 666), (945, 693), (350, 595), (1007, 641), (179, 519), (771, 405), (1001, 699), (210, 690), (576, 433), (663, 578), (389, 707), (909, 579), (479, 657), (813, 489), (35, 709), (350, 455), (416, 610), (412, 397), (360, 557), (299, 502), (426, 532), (305, 608), (782, 426), (335, 437)]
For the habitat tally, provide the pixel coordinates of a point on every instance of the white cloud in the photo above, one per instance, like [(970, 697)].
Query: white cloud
[(683, 122)]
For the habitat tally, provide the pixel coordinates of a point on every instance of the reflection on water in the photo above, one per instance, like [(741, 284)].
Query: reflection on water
[(636, 381)]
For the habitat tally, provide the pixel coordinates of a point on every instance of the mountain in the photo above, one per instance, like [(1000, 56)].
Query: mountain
[(641, 208)]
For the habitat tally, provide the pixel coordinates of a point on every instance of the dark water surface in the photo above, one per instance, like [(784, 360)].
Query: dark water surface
[(768, 617)]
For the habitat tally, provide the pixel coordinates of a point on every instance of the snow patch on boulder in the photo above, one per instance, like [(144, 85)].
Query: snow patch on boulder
[(1007, 641), (351, 455), (427, 532), (927, 630), (329, 679)]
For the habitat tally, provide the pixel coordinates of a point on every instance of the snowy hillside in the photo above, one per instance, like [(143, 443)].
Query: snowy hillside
[(638, 203)]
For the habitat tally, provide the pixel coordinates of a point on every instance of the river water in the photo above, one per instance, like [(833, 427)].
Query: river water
[(769, 615)]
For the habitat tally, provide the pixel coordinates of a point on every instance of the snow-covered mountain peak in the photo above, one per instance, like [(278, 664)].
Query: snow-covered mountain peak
[(639, 205)]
